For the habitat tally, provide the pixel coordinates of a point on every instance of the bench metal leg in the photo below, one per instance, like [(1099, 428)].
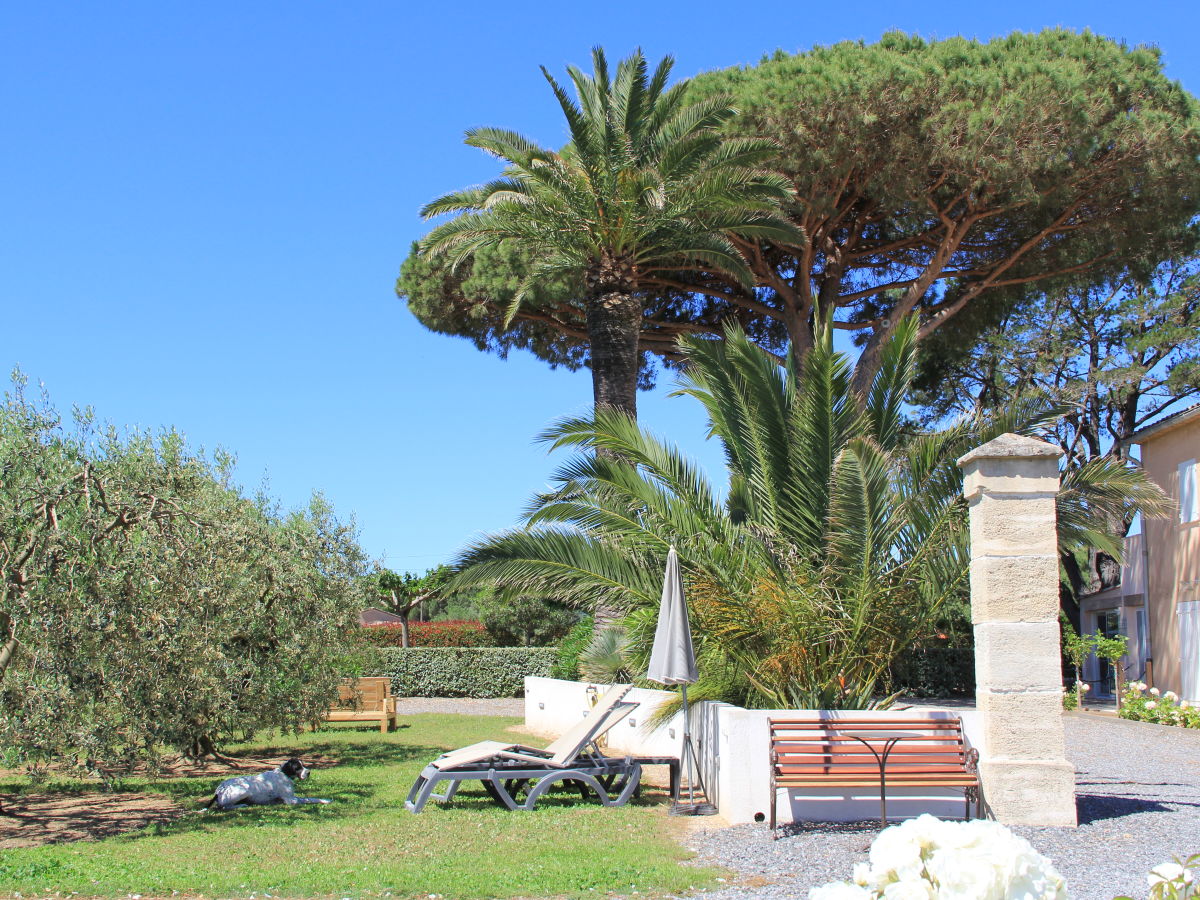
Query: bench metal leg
[(774, 803)]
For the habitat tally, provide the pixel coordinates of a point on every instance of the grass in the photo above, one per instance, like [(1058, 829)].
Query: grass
[(365, 844)]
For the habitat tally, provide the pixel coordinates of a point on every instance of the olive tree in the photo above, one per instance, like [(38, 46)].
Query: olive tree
[(147, 605)]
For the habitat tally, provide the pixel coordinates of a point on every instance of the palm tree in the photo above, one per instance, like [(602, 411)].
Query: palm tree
[(839, 539), (645, 191)]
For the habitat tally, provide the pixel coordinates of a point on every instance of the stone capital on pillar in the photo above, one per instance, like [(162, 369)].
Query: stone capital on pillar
[(1010, 464), (1011, 485)]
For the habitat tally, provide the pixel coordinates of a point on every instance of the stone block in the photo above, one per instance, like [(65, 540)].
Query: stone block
[(1010, 476), (1023, 792), (1024, 525), (1022, 726), (1017, 656), (1014, 588)]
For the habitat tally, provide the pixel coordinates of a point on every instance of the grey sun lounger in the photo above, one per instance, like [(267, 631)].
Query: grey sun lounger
[(505, 770)]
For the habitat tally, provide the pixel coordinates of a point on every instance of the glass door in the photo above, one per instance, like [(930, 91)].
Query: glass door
[(1108, 624)]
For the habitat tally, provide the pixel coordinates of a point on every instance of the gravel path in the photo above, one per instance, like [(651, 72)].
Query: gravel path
[(1139, 805), (505, 706)]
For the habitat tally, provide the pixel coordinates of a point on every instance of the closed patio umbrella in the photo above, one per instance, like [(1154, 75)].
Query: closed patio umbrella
[(673, 661)]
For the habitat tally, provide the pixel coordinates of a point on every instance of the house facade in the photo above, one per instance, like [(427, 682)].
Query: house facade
[(1170, 553), (374, 616), (1120, 609)]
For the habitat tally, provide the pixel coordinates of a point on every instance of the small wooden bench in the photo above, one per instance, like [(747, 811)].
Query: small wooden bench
[(365, 700), (861, 752)]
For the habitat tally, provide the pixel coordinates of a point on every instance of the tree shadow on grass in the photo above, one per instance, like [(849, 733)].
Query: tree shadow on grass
[(174, 805)]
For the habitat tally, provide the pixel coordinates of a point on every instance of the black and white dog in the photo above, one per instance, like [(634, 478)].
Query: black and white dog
[(275, 786)]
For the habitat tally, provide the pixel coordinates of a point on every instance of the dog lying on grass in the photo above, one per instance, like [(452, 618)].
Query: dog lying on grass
[(276, 786)]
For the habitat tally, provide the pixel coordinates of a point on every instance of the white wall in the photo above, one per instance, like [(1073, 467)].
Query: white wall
[(735, 753), (552, 706)]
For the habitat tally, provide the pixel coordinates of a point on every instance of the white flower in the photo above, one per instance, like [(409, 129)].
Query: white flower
[(1150, 704), (839, 890), (913, 889), (1170, 695), (1183, 704), (928, 859), (1139, 686), (1154, 692), (1085, 687), (1166, 872)]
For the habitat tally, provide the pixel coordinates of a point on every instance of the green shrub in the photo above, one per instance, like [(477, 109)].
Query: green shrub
[(566, 665), (483, 672), (524, 621), (1146, 704), (934, 672)]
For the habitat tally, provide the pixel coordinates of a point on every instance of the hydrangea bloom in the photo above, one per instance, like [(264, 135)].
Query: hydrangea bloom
[(928, 859), (1167, 872), (1154, 692)]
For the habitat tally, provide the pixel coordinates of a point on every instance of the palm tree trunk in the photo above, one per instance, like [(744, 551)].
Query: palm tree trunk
[(614, 323)]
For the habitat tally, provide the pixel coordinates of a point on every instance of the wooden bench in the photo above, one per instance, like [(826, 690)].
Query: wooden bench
[(365, 700), (860, 752)]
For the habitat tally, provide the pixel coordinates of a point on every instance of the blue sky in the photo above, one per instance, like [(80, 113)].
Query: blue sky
[(205, 207)]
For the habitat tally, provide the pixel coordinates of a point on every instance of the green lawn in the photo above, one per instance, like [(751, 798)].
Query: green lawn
[(365, 843)]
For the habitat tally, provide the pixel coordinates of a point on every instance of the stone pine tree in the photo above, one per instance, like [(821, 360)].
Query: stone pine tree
[(1116, 355), (924, 176), (646, 192)]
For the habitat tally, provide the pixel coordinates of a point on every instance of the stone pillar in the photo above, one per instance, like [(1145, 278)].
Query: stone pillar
[(1010, 484)]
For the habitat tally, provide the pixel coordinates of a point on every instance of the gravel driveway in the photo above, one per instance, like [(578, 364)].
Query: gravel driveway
[(505, 706), (1138, 789)]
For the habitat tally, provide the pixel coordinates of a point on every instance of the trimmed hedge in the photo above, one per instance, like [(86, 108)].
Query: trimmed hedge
[(483, 672), (451, 633)]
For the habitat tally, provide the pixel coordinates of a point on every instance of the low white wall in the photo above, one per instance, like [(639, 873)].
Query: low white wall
[(552, 706), (734, 748)]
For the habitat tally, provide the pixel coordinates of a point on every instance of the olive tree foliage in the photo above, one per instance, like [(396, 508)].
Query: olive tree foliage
[(146, 605), (924, 177)]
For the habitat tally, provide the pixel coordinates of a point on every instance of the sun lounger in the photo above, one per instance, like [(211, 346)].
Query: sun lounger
[(505, 770)]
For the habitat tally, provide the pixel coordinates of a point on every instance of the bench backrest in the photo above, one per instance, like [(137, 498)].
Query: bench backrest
[(847, 748), (364, 693)]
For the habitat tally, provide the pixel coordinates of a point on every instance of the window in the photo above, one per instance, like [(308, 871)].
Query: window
[(1189, 492)]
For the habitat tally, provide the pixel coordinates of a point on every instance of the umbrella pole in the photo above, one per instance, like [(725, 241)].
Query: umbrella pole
[(688, 753), (691, 771)]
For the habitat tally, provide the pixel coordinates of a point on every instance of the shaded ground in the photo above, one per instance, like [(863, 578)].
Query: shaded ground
[(32, 818), (35, 819)]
